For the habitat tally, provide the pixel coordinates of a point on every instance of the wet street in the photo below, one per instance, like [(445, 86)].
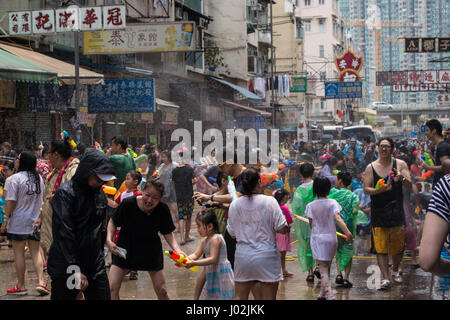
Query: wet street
[(417, 284)]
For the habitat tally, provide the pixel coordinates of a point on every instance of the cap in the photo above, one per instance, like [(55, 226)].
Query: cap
[(106, 177), (325, 156)]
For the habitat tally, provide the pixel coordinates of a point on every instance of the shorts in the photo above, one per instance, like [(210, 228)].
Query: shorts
[(185, 209), (389, 240), (21, 237)]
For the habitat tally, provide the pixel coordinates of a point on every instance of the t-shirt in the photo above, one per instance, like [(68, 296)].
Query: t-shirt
[(442, 149), (122, 165), (322, 213), (127, 194), (340, 156), (182, 179), (28, 202), (211, 174), (440, 200), (139, 235)]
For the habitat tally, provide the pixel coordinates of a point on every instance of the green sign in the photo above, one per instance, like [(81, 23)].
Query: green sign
[(299, 84)]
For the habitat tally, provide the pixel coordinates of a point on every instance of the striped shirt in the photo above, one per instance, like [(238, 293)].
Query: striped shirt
[(440, 201)]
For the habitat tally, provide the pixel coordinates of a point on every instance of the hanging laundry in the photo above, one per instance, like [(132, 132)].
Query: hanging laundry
[(251, 87), (287, 86), (260, 87), (280, 86)]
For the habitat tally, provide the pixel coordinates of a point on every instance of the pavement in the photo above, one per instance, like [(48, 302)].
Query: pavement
[(417, 284)]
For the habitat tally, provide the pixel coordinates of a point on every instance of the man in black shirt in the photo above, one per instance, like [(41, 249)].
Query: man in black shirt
[(338, 154), (442, 148)]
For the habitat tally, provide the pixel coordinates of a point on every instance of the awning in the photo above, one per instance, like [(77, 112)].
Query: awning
[(64, 70), (164, 103), (246, 108), (13, 68), (248, 94)]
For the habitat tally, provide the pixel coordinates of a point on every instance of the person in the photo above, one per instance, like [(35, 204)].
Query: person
[(329, 165), (339, 155), (304, 195), (43, 166), (64, 167), (23, 202), (387, 215), (351, 161), (165, 176), (356, 147), (349, 203), (218, 273), (132, 181), (78, 227), (294, 180), (140, 218), (6, 150), (321, 214), (220, 209), (121, 160), (183, 178), (433, 132), (283, 240), (436, 227), (254, 219), (154, 160), (207, 178)]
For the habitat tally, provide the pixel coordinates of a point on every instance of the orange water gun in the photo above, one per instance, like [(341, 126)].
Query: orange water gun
[(427, 175), (268, 178), (180, 259), (110, 191)]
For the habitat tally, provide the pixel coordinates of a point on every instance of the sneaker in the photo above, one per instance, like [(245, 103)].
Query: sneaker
[(16, 291), (133, 275), (42, 289)]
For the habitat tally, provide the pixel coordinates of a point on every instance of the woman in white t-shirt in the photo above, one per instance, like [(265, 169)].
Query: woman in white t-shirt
[(254, 219), (23, 203)]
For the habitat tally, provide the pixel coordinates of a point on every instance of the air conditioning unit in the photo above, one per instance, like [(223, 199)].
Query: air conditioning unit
[(259, 7), (202, 23), (178, 13)]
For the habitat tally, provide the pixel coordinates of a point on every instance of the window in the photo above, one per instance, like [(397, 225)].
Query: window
[(299, 29), (307, 3), (308, 26), (321, 2), (321, 51), (322, 24)]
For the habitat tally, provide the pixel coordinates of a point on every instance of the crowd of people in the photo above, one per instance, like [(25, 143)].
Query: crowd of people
[(74, 207)]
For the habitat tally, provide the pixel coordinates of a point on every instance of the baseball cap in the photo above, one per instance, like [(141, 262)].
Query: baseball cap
[(325, 156), (106, 177)]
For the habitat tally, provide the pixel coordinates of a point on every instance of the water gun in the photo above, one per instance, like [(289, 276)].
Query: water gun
[(336, 172), (111, 191), (428, 160), (427, 175), (155, 173), (98, 147), (307, 221), (180, 259), (289, 164), (232, 189), (380, 184), (131, 153), (267, 178), (66, 136)]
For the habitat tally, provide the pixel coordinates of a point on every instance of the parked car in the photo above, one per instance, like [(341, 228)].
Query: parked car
[(382, 106)]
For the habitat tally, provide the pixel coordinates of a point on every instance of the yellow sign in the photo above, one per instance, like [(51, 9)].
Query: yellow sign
[(7, 94), (141, 38)]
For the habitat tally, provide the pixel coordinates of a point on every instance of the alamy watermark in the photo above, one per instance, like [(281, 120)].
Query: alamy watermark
[(255, 144), (374, 280)]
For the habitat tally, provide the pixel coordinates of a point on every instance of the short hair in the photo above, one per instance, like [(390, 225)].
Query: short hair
[(345, 177), (221, 175), (434, 124), (208, 217), (159, 186), (307, 170), (280, 194), (321, 187), (120, 141), (135, 175), (62, 147), (391, 142)]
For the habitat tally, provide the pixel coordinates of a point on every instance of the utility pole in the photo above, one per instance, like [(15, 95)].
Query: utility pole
[(272, 61)]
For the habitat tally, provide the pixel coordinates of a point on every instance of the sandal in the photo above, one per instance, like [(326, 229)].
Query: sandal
[(310, 278), (385, 284), (317, 273), (347, 284), (339, 279), (398, 278), (288, 274)]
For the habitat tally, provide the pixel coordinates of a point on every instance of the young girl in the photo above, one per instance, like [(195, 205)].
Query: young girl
[(132, 181), (283, 240), (322, 213), (218, 273)]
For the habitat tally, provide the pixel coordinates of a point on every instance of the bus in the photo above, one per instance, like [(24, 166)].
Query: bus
[(359, 132), (332, 133)]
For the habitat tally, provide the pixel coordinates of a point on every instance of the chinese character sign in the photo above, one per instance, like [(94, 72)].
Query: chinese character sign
[(66, 20), (130, 95), (349, 65), (43, 21), (91, 19), (114, 17), (20, 22)]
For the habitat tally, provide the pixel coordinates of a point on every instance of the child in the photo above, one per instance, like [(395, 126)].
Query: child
[(322, 213), (218, 273), (132, 181), (350, 205), (304, 195), (283, 240)]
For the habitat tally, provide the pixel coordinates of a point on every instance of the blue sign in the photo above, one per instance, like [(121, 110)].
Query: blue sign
[(343, 90), (413, 133), (423, 128), (126, 95), (44, 97)]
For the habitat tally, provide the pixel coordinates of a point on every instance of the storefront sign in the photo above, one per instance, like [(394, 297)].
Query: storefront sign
[(169, 116), (299, 84), (343, 90), (392, 78), (427, 45), (287, 119), (141, 38), (44, 97), (349, 65), (7, 94), (126, 95)]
